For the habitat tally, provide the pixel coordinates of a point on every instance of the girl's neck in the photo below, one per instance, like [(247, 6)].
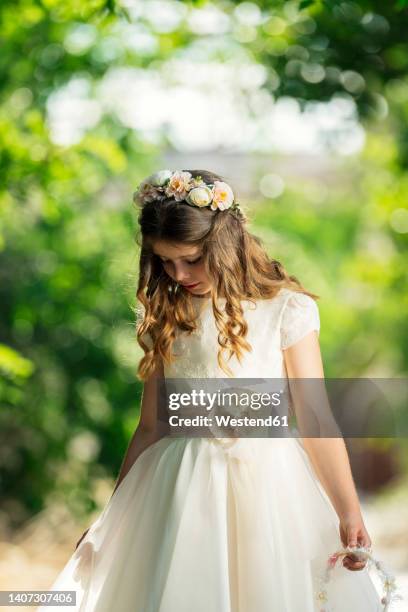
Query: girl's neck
[(207, 296), (204, 298)]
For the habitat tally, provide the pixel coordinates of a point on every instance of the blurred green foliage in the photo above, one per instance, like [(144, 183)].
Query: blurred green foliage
[(68, 355), (344, 244)]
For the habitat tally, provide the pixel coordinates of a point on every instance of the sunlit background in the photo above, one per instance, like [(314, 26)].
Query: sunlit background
[(302, 107)]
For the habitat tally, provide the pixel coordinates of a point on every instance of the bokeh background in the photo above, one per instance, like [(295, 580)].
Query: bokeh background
[(302, 106)]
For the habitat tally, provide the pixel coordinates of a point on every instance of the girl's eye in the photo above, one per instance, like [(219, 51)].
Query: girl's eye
[(165, 261)]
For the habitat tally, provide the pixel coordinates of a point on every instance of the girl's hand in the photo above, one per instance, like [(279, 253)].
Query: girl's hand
[(354, 533)]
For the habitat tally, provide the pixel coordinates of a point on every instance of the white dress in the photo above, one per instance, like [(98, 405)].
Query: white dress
[(198, 526)]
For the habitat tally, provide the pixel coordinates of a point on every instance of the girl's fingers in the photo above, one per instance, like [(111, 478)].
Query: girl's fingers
[(353, 564), (354, 567)]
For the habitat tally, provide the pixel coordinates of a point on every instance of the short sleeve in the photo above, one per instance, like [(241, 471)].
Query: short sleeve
[(300, 316), (140, 313)]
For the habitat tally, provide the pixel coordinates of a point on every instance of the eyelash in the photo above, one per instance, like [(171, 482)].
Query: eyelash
[(189, 262)]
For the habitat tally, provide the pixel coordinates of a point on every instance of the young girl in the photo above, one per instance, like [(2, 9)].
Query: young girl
[(208, 524)]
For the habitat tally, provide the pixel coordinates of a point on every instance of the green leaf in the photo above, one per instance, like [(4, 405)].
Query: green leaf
[(13, 364)]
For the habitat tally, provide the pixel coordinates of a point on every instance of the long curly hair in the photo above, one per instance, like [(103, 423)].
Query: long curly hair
[(235, 261)]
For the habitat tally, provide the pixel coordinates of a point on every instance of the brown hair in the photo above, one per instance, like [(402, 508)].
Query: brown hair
[(234, 259)]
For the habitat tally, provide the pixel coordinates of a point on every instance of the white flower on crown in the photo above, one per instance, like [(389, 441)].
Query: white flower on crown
[(179, 185), (223, 196), (199, 196), (158, 179)]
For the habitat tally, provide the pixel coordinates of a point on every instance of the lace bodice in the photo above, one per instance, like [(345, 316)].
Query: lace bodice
[(274, 325)]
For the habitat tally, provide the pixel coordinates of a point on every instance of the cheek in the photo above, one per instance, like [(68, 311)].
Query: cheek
[(201, 272)]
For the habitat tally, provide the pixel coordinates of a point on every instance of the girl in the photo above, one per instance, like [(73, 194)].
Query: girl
[(208, 524)]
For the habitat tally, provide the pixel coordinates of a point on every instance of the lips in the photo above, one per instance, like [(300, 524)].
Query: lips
[(191, 286)]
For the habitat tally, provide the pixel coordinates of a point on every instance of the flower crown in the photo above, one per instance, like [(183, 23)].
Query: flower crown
[(362, 553), (182, 186)]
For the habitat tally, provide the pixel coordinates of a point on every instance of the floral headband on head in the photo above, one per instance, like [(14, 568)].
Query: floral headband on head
[(182, 186)]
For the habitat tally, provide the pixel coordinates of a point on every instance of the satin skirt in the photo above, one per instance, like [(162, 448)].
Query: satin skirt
[(215, 525)]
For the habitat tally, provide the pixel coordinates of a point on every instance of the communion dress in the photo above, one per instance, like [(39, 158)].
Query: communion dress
[(200, 525)]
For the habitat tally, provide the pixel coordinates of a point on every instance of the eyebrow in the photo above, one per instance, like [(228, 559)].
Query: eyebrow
[(183, 257)]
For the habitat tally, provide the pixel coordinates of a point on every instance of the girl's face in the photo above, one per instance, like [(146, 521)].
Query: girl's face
[(184, 264)]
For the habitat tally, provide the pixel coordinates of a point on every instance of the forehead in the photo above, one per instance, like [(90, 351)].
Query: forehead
[(174, 250)]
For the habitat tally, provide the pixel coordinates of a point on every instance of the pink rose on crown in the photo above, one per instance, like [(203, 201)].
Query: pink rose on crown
[(223, 196), (147, 193), (179, 185), (332, 560)]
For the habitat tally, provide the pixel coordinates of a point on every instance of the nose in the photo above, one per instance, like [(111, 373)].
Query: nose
[(180, 274)]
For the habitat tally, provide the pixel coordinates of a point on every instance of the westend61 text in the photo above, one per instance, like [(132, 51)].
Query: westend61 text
[(229, 421)]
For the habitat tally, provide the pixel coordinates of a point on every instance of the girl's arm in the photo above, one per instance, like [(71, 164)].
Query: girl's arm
[(149, 429), (328, 456)]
